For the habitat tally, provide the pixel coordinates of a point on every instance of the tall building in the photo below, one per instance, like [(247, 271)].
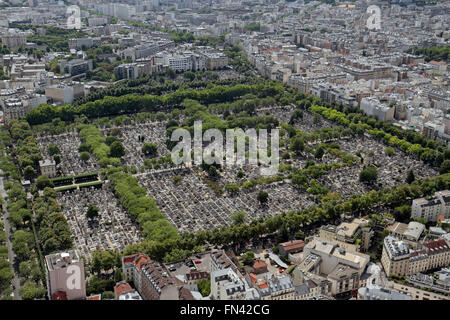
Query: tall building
[(431, 209), (76, 66), (14, 40), (339, 269), (399, 259), (151, 279), (353, 235), (226, 285), (65, 276)]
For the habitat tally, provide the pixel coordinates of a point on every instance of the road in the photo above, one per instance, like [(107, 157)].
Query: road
[(11, 255)]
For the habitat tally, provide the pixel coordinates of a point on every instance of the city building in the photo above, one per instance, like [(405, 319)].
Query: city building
[(276, 287), (337, 269), (123, 291), (48, 167), (76, 66), (151, 279), (411, 231), (373, 292), (226, 285), (399, 259), (291, 247), (65, 276), (355, 235), (84, 43), (64, 93), (431, 209)]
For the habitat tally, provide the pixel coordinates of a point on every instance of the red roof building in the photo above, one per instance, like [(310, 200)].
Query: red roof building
[(293, 246), (121, 288), (59, 295), (259, 267)]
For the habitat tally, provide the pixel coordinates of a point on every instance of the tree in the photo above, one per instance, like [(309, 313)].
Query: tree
[(171, 73), (317, 119), (319, 152), (92, 212), (6, 273), (43, 181), (299, 179), (53, 149), (232, 188), (116, 132), (84, 156), (108, 295), (263, 197), (410, 178), (239, 217), (212, 171), (240, 174), (84, 148), (117, 150), (204, 286), (297, 145), (29, 172), (389, 151), (110, 139), (177, 179), (248, 258), (32, 291), (149, 149), (57, 159), (368, 175), (445, 167), (25, 269), (102, 260), (118, 275)]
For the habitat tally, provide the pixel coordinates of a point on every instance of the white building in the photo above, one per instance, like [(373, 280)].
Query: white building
[(431, 209), (373, 107), (48, 167)]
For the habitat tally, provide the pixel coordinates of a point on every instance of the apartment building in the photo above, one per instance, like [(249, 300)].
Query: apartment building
[(374, 292), (338, 268), (226, 285), (84, 43), (64, 93), (416, 293), (123, 291), (180, 63), (76, 66), (126, 71), (373, 107), (215, 60), (151, 280), (276, 287), (410, 232), (399, 259), (354, 236), (18, 105), (65, 276), (14, 40), (431, 209)]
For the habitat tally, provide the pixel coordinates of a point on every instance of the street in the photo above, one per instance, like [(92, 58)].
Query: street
[(11, 255)]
